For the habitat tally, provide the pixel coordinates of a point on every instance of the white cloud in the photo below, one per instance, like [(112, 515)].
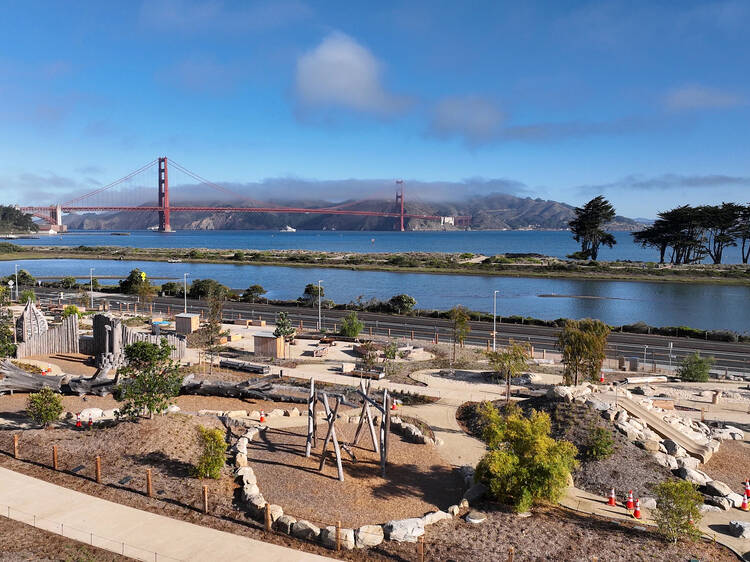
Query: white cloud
[(342, 73), (475, 119), (701, 97)]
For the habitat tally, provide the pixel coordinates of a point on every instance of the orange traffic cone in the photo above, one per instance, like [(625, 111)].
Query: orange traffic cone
[(629, 504), (601, 377), (78, 420), (744, 507), (637, 512), (612, 501), (747, 488), (393, 405), (262, 416)]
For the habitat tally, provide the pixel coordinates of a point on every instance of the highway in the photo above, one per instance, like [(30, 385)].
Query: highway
[(734, 357)]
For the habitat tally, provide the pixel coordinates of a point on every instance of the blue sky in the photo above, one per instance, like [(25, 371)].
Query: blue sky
[(645, 102)]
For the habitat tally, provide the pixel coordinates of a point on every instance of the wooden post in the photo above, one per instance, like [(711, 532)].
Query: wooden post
[(420, 548), (205, 499), (437, 338), (370, 330), (15, 445), (98, 469), (412, 335), (338, 536), (54, 457), (310, 419), (488, 345), (149, 484), (510, 554), (268, 516), (389, 332)]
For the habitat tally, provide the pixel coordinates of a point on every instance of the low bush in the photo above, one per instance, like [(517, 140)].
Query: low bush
[(695, 368), (213, 457), (600, 444), (44, 406), (677, 510)]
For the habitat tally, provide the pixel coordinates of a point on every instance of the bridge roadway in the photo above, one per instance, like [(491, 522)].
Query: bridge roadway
[(731, 356)]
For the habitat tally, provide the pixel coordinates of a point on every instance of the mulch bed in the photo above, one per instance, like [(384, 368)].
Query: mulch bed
[(19, 541), (550, 534), (730, 464), (417, 479), (628, 468)]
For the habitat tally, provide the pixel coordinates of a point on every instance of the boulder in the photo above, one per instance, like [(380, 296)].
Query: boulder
[(629, 431), (240, 460), (275, 512), (475, 492), (328, 538), (718, 501), (717, 488), (596, 404), (740, 529), (93, 413), (210, 412), (305, 530), (621, 416), (688, 462), (737, 434), (256, 505), (251, 433), (241, 445), (454, 510), (648, 445), (705, 508), (560, 393), (284, 524), (250, 490), (276, 413), (736, 499), (694, 476), (236, 414), (404, 530), (667, 461), (463, 504), (434, 517), (246, 475), (368, 535), (294, 412), (648, 503), (475, 517), (254, 415), (173, 409), (609, 415), (674, 449)]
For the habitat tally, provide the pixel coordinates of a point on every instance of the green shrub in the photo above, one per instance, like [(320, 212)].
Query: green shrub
[(677, 510), (695, 368), (70, 310), (213, 457), (600, 444), (351, 326), (44, 406), (524, 464)]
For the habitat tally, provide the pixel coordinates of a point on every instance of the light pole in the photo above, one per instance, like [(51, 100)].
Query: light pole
[(16, 282), (320, 318), (670, 357), (91, 290), (494, 320), (645, 347), (184, 289)]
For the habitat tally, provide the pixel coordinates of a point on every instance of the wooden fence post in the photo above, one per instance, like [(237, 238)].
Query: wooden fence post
[(268, 516), (205, 499), (510, 554), (149, 485), (338, 536), (412, 335), (370, 330), (54, 457), (98, 469), (420, 547), (15, 445)]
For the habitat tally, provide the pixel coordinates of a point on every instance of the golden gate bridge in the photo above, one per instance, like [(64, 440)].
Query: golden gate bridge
[(92, 202)]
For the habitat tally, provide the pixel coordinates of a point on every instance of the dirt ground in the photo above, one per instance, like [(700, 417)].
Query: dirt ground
[(70, 363), (730, 464), (550, 534), (418, 480), (628, 468), (19, 542)]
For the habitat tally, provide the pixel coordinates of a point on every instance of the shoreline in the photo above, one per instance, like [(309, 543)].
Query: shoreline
[(529, 265)]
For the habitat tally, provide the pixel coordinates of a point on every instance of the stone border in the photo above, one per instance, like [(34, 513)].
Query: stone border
[(403, 530)]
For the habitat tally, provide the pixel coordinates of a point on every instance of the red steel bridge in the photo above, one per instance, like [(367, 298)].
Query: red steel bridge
[(113, 198)]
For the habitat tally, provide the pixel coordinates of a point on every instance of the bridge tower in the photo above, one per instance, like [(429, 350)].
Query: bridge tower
[(164, 225), (400, 199)]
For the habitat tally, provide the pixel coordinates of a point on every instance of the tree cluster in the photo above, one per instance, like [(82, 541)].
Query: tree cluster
[(587, 228), (13, 220), (688, 234)]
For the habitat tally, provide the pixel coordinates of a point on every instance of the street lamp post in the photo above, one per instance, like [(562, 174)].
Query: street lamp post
[(494, 320), (16, 282), (320, 317), (645, 347), (184, 289), (91, 288)]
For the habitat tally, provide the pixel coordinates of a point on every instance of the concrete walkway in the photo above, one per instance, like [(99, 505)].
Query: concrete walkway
[(125, 530)]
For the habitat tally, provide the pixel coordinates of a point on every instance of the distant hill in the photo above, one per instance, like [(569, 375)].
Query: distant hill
[(491, 212)]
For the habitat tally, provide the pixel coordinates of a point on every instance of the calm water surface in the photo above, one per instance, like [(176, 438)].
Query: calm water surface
[(551, 243), (615, 302)]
